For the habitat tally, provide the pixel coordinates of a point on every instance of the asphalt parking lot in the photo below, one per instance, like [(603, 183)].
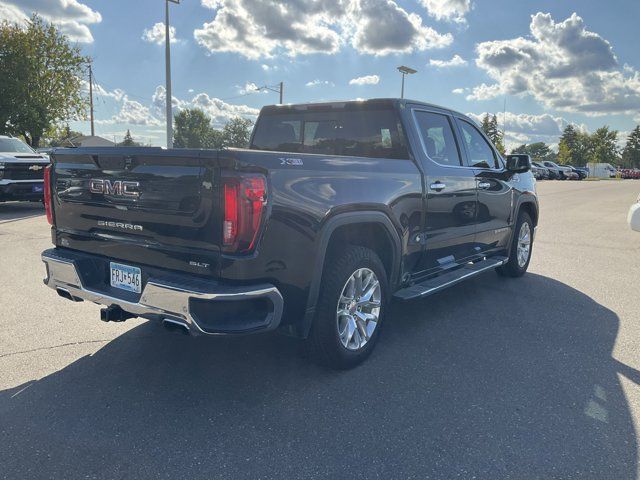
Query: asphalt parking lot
[(495, 378)]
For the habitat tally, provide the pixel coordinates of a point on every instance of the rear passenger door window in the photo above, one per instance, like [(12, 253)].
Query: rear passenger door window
[(437, 138), (479, 151)]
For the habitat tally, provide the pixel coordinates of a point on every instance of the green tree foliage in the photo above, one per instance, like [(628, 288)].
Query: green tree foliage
[(237, 133), (604, 146), (61, 136), (564, 154), (490, 127), (575, 147), (631, 152), (538, 151), (128, 140), (193, 129), (41, 83)]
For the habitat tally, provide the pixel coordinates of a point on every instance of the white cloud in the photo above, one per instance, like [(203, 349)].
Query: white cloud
[(157, 34), (133, 113), (400, 32), (12, 14), (70, 16), (449, 10), (159, 102), (317, 83), (458, 91), (258, 29), (249, 87), (562, 65), (366, 80), (220, 111), (526, 128), (455, 61)]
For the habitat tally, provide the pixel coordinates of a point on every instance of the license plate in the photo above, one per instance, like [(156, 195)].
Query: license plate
[(38, 189), (126, 277)]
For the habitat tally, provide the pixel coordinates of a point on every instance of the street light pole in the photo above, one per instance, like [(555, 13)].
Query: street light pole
[(168, 95), (405, 71), (93, 129)]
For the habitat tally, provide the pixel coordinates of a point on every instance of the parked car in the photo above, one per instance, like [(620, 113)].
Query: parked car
[(630, 173), (634, 216), (570, 172), (547, 174), (561, 173), (21, 171), (539, 172), (583, 171), (578, 174), (333, 210)]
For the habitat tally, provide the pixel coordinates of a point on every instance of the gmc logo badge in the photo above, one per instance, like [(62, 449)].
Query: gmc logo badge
[(117, 188)]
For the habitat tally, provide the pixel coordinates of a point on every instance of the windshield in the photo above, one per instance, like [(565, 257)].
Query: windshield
[(14, 145)]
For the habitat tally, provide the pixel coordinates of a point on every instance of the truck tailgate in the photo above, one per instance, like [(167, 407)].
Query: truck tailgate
[(147, 206)]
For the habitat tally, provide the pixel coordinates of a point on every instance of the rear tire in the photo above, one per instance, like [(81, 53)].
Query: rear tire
[(521, 248), (350, 309)]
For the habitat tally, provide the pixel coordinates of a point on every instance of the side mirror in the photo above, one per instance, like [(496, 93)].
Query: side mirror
[(518, 163)]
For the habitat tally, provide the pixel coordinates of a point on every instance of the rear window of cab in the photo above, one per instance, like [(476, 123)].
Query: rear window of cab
[(375, 133)]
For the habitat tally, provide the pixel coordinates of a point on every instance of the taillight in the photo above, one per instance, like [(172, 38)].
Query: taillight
[(47, 194), (244, 199)]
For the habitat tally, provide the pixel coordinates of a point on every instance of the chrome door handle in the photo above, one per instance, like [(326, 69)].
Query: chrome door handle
[(484, 185), (437, 186)]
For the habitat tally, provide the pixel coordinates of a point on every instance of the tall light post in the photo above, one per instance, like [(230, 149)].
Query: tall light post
[(169, 96), (405, 71)]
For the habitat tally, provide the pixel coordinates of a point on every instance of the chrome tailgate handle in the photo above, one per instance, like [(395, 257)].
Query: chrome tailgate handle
[(437, 186)]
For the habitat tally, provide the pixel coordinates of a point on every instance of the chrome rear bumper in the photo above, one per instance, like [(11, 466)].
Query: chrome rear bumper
[(168, 300)]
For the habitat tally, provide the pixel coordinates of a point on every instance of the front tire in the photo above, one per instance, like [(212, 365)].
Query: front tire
[(521, 248), (350, 309)]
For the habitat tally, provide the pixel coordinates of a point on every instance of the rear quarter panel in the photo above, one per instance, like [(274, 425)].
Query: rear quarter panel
[(305, 192)]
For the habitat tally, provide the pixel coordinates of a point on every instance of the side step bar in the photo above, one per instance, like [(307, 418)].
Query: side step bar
[(442, 281)]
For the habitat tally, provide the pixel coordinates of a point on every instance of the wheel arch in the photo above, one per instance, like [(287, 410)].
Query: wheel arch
[(371, 229), (530, 206)]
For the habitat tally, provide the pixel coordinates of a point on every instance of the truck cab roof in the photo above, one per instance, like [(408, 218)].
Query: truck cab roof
[(354, 104)]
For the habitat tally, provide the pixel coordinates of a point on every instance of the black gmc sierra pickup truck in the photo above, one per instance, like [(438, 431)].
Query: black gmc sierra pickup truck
[(334, 210)]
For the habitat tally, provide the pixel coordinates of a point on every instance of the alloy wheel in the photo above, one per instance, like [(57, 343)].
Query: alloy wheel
[(358, 310)]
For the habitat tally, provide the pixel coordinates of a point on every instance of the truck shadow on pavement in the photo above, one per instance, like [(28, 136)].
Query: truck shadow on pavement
[(491, 379), (14, 211)]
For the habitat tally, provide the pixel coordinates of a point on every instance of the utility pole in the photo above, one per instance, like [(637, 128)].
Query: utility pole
[(169, 96), (93, 130), (405, 71), (277, 89)]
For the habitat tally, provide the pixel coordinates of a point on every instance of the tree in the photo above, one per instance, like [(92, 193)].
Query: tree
[(128, 140), (58, 136), (42, 80), (575, 147), (604, 146), (538, 151), (490, 127), (564, 154), (631, 152), (486, 124), (193, 129), (237, 133)]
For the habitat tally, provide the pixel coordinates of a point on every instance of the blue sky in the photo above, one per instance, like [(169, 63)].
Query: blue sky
[(554, 62)]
